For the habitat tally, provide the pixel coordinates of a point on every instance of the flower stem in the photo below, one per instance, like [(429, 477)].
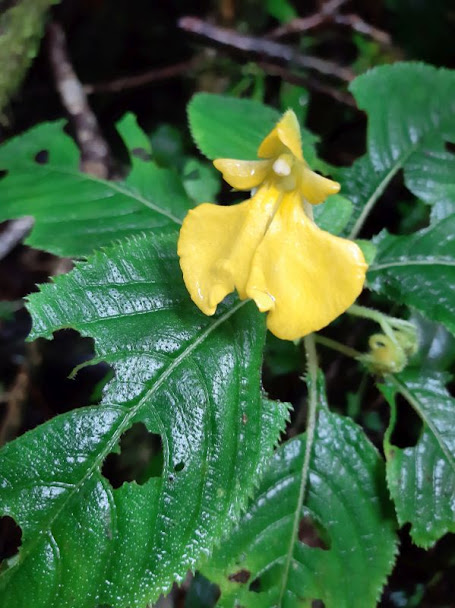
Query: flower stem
[(312, 371), (387, 324), (338, 346)]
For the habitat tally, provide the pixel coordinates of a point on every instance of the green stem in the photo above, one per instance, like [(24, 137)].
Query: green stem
[(312, 370), (386, 323), (338, 346)]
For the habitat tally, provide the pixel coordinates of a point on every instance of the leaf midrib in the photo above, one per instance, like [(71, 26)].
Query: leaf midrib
[(123, 425), (413, 400), (119, 187), (410, 262), (390, 171)]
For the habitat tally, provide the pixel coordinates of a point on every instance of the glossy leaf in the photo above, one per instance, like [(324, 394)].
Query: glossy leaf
[(76, 213), (405, 131), (419, 270), (227, 127), (345, 543), (422, 478), (192, 379)]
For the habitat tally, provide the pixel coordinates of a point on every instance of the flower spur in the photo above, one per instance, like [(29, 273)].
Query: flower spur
[(268, 247)]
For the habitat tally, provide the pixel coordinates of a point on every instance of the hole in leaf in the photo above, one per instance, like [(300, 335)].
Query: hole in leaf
[(140, 457), (255, 586), (141, 153), (42, 157), (317, 604), (241, 576), (179, 467), (10, 539), (450, 146), (3, 173), (408, 427), (312, 534)]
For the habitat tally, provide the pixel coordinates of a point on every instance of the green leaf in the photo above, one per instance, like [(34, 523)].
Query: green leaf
[(227, 127), (192, 379), (74, 212), (334, 214), (346, 542), (404, 132), (281, 10), (436, 345), (419, 270), (201, 181), (422, 478)]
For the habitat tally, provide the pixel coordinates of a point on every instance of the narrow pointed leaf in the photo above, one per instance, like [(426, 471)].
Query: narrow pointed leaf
[(422, 478), (192, 379), (74, 212), (419, 270), (345, 545)]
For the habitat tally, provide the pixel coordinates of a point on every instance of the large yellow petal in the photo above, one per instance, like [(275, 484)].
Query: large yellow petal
[(243, 174), (315, 188), (216, 246), (286, 133), (304, 276)]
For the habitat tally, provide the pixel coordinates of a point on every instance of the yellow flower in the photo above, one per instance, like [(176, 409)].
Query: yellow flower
[(268, 248)]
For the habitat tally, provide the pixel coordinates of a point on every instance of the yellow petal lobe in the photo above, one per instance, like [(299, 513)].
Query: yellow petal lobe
[(304, 276), (315, 188), (286, 134), (216, 246), (243, 174)]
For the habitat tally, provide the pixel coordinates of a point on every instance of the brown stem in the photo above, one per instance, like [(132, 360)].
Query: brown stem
[(252, 46), (94, 150), (139, 80)]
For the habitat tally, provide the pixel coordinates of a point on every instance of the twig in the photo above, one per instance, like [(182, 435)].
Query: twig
[(329, 13), (311, 83), (139, 80), (305, 24), (94, 150), (357, 24), (13, 234), (263, 48)]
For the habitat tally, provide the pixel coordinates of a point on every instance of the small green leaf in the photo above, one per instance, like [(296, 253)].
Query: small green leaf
[(404, 132), (334, 214), (74, 212), (419, 270), (227, 127), (346, 542), (281, 10), (192, 379), (368, 249), (201, 181), (422, 478)]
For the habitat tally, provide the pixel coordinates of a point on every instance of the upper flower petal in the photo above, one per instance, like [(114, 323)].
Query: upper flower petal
[(304, 276), (286, 133), (243, 174), (315, 188), (216, 246)]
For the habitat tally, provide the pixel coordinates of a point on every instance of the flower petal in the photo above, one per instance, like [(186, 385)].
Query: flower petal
[(243, 174), (286, 133), (304, 276), (216, 246), (315, 188)]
